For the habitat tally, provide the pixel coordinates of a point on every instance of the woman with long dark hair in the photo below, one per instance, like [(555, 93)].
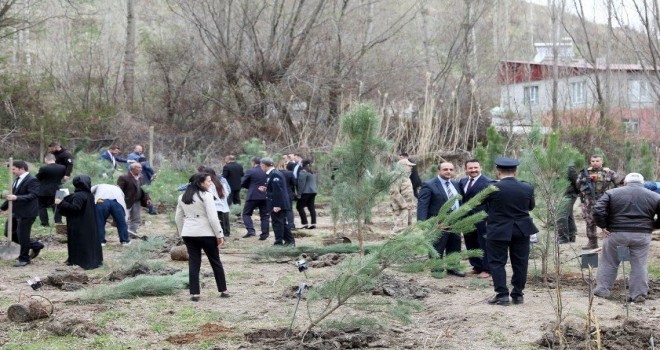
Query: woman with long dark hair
[(198, 225), (307, 190), (220, 191)]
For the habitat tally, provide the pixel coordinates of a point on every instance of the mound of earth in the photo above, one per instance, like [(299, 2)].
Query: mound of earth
[(631, 335)]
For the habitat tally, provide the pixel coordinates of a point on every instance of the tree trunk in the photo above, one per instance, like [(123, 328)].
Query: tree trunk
[(129, 54), (30, 309)]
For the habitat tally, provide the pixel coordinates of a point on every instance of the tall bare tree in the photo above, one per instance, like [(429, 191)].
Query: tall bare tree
[(129, 54)]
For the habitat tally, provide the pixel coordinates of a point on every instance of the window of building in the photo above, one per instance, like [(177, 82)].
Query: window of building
[(578, 92), (631, 126), (531, 95), (640, 91)]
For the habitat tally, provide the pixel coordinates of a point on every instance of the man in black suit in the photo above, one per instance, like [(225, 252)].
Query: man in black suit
[(50, 178), (279, 204), (508, 229), (62, 157), (414, 175), (233, 172), (432, 196), (470, 186), (25, 208), (253, 179)]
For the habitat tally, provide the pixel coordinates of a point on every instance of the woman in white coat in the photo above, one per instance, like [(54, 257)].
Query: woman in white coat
[(198, 225)]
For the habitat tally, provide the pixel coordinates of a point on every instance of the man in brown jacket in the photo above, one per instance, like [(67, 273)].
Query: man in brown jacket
[(403, 198), (134, 195)]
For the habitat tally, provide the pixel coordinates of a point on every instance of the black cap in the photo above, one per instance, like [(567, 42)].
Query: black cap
[(506, 163)]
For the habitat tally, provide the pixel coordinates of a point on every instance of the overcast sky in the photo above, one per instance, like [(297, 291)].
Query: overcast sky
[(596, 10)]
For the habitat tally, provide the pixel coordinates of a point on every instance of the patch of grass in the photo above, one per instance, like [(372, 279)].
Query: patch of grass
[(479, 283), (109, 316), (31, 340), (654, 269), (239, 275), (497, 337), (158, 327), (275, 252)]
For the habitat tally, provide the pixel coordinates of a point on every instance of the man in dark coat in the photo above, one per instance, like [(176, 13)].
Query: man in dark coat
[(432, 196), (25, 208), (50, 178), (253, 179), (233, 172), (83, 243), (135, 197), (62, 157), (277, 196), (508, 228), (290, 181), (470, 186)]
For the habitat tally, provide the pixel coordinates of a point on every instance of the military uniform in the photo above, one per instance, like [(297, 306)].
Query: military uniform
[(592, 183)]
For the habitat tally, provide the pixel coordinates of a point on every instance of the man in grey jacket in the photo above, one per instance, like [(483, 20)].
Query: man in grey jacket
[(626, 215)]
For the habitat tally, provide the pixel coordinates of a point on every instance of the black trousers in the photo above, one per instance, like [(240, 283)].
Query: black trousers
[(306, 201), (209, 245), (248, 209), (21, 229), (234, 197), (476, 240), (46, 202), (224, 223), (518, 250), (447, 243), (281, 229)]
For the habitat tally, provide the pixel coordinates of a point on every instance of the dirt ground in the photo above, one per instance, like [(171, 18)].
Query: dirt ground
[(258, 313)]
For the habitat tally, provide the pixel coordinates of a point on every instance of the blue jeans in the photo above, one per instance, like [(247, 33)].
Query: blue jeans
[(111, 207)]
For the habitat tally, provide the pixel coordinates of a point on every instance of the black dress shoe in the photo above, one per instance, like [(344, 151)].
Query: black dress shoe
[(194, 298), (248, 235), (504, 301), (278, 243), (263, 238), (224, 295), (517, 300), (21, 263), (35, 253), (456, 273)]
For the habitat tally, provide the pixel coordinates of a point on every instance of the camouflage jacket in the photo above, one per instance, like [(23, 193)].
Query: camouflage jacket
[(402, 195), (600, 180)]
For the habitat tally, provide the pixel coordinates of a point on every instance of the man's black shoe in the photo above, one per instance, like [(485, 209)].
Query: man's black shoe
[(21, 263), (456, 273), (35, 253), (504, 301), (517, 300), (278, 243), (248, 235), (563, 241), (263, 238)]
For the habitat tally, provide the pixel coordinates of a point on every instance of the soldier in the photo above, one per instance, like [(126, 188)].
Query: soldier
[(402, 197), (593, 182)]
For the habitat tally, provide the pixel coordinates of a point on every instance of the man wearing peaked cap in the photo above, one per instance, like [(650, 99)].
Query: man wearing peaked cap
[(508, 228), (277, 199)]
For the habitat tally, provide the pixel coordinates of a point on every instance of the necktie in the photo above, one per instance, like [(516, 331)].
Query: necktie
[(450, 193), (15, 183), (470, 183)]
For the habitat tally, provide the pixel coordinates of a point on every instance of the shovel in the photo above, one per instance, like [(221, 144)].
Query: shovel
[(9, 250)]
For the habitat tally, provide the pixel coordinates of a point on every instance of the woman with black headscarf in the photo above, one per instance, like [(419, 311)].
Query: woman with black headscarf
[(83, 242)]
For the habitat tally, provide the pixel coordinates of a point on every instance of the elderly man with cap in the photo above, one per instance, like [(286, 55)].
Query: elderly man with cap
[(626, 215), (402, 197), (508, 228), (277, 198)]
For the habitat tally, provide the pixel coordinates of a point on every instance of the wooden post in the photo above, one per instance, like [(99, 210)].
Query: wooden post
[(41, 144), (30, 309), (151, 145)]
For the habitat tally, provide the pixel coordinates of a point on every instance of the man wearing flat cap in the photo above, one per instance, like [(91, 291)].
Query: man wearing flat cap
[(627, 216), (508, 228), (277, 198)]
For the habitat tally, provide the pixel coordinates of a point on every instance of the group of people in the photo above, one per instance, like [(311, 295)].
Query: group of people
[(86, 210), (202, 210), (269, 187), (626, 215)]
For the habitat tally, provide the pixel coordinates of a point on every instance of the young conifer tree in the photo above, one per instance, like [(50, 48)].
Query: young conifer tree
[(360, 177)]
